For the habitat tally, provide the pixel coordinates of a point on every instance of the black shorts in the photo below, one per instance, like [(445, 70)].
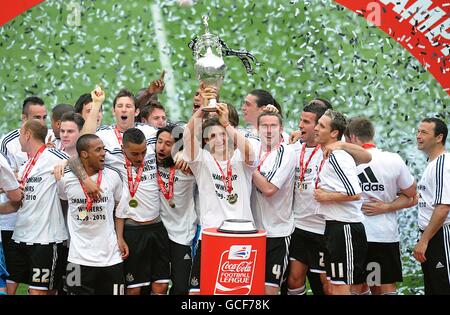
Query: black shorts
[(61, 268), (6, 241), (346, 254), (277, 259), (86, 280), (194, 285), (383, 263), (180, 268), (436, 269), (149, 255), (34, 264), (308, 248)]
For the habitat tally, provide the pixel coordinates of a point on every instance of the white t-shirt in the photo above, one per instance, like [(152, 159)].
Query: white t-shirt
[(180, 221), (93, 241), (214, 207), (304, 205), (434, 189), (40, 219), (147, 194), (252, 134), (274, 214), (12, 150), (114, 148), (8, 180), (58, 143), (7, 221), (383, 178), (339, 175)]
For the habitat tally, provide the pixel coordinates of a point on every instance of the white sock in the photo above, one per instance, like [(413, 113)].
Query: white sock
[(391, 293), (298, 291)]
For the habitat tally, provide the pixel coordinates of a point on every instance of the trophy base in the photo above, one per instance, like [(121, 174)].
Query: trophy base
[(209, 109)]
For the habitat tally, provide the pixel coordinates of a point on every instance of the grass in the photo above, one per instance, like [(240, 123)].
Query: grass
[(22, 289), (411, 285)]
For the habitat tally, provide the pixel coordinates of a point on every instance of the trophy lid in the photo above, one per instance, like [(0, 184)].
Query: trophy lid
[(205, 23), (238, 226)]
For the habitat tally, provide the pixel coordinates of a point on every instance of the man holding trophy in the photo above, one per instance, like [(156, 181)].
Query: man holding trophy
[(223, 168)]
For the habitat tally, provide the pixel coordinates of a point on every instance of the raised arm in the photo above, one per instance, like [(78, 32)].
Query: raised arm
[(192, 135), (90, 124), (155, 87), (241, 142)]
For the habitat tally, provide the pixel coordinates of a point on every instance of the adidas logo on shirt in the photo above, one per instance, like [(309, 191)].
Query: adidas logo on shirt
[(439, 265), (368, 181)]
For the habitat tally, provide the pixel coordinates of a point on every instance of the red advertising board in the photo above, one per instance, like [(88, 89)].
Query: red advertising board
[(420, 26), (232, 264), (12, 8)]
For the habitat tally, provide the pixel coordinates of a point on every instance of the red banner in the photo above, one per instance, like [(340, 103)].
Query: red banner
[(420, 26), (12, 8)]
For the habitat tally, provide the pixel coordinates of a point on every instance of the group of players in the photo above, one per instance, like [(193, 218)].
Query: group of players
[(93, 209)]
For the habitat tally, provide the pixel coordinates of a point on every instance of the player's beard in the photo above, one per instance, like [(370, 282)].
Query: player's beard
[(166, 162)]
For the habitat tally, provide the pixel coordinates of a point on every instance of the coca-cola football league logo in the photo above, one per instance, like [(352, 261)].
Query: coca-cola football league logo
[(236, 270)]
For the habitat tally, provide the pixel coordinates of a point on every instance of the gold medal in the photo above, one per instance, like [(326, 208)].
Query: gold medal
[(133, 203), (171, 203), (232, 198), (82, 215)]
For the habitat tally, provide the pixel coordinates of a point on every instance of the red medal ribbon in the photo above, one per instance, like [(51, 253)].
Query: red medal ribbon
[(226, 180), (303, 168), (118, 135), (168, 193), (89, 200), (368, 146), (30, 165), (133, 186), (261, 161), (318, 172)]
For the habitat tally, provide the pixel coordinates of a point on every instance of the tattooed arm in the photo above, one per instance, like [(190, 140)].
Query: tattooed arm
[(94, 191)]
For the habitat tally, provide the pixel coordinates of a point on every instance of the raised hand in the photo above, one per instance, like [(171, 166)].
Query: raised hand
[(270, 109), (207, 93), (157, 86), (294, 136), (98, 95), (222, 111)]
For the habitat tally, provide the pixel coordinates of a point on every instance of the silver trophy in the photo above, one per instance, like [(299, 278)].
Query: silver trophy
[(209, 65)]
